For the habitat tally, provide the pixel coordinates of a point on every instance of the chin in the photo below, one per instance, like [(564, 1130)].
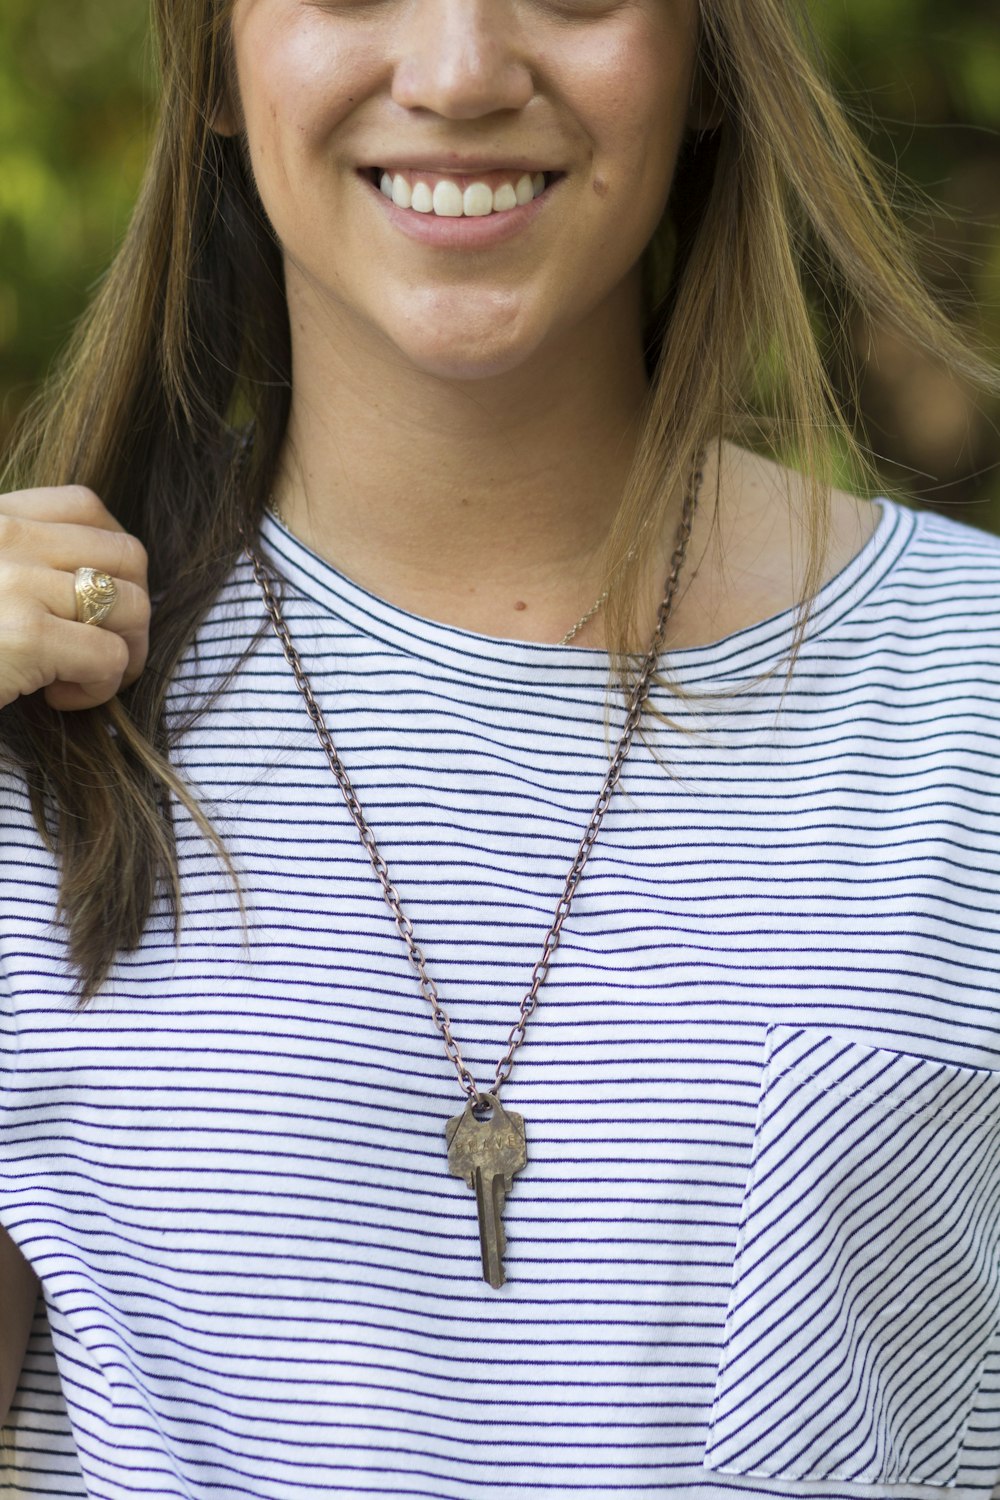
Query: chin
[(463, 339)]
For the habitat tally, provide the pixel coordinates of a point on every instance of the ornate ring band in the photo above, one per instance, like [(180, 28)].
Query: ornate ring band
[(95, 595)]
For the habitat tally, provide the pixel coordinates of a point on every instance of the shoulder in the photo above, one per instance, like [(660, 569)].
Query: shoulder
[(911, 631), (908, 595), (942, 575), (942, 543), (15, 801), (757, 549), (931, 555), (29, 875)]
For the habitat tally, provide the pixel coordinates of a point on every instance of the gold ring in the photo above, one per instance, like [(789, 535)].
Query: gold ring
[(95, 595)]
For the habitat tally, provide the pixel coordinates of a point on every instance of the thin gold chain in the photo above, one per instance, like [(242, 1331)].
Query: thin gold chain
[(585, 619), (570, 635), (404, 926)]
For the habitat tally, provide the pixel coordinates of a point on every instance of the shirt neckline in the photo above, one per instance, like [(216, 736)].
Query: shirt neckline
[(753, 650)]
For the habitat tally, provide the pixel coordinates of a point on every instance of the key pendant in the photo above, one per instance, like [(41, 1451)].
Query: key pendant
[(487, 1153)]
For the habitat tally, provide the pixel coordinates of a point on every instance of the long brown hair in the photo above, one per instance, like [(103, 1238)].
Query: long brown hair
[(187, 344)]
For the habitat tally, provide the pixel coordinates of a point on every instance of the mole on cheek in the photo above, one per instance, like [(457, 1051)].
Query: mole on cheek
[(520, 604)]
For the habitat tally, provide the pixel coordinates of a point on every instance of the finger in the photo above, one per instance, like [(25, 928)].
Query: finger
[(67, 547), (71, 504), (127, 618), (70, 697), (85, 666), (33, 600), (56, 592)]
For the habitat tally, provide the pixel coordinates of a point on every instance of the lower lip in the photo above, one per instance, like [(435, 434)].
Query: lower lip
[(462, 233)]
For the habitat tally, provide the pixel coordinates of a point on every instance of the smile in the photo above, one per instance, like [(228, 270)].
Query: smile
[(457, 197)]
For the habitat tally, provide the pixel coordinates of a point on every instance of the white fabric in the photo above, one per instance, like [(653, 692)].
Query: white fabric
[(756, 1248)]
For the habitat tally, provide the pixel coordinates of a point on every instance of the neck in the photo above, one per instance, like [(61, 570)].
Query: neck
[(482, 503)]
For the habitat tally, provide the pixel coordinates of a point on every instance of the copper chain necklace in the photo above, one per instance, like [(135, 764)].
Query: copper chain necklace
[(486, 1143)]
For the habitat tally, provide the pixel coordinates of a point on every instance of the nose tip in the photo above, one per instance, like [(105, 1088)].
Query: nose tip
[(462, 72)]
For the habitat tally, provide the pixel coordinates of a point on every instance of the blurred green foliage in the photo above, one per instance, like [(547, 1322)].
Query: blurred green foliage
[(76, 91), (922, 79)]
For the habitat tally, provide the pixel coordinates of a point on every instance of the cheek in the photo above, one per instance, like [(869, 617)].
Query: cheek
[(298, 81), (636, 98)]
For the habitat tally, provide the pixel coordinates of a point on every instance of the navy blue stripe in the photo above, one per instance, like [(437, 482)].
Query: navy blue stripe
[(756, 1249)]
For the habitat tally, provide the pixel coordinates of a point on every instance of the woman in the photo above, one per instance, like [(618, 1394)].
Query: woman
[(438, 344)]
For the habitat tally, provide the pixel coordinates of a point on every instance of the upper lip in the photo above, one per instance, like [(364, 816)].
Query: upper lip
[(459, 165)]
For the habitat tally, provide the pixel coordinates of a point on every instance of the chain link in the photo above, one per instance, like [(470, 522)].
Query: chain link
[(585, 619), (636, 707)]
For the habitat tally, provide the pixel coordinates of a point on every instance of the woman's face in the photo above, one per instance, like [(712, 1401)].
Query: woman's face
[(455, 107)]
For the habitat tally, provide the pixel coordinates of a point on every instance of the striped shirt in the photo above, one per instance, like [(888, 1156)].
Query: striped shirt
[(756, 1246)]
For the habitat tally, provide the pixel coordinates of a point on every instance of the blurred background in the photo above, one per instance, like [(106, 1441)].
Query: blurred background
[(921, 77)]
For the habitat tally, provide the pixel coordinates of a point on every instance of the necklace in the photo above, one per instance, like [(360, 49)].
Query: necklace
[(570, 635), (585, 619), (487, 1143)]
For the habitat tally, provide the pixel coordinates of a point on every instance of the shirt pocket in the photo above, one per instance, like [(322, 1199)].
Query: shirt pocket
[(866, 1281)]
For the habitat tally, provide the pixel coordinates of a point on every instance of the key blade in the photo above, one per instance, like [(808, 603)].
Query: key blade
[(492, 1242)]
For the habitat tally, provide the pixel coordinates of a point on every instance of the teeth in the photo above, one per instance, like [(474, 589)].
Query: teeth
[(524, 189), (447, 200), (422, 199), (478, 200)]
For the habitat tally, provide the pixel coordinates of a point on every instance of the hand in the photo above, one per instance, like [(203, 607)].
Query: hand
[(45, 535)]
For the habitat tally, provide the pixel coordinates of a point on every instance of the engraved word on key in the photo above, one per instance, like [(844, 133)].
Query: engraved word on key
[(487, 1153)]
